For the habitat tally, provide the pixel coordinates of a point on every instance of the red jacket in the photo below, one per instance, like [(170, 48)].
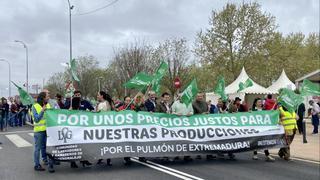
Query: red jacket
[(270, 104), (124, 107)]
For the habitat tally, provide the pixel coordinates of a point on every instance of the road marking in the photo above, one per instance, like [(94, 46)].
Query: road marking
[(31, 134), (297, 159), (16, 132), (162, 170), (176, 171), (167, 170), (18, 141), (0, 147)]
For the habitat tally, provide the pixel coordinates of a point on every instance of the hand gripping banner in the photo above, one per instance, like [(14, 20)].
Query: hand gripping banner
[(81, 135)]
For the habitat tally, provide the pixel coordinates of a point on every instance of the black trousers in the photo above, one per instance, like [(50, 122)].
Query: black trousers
[(300, 128)]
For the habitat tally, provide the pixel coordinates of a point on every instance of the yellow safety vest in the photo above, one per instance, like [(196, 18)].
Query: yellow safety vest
[(288, 120), (41, 125)]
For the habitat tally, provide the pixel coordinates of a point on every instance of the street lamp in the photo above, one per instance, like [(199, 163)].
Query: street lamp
[(99, 83), (27, 62), (9, 75), (65, 64), (70, 32)]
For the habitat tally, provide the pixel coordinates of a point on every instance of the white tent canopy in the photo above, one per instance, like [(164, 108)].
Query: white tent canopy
[(255, 89), (282, 82)]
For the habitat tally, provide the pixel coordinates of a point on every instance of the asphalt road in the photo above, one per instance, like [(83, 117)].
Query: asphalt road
[(16, 163)]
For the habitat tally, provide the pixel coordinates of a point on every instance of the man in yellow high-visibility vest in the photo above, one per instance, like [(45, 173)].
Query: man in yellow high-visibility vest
[(289, 122), (40, 135)]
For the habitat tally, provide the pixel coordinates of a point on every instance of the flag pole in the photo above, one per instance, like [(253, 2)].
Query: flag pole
[(148, 88), (131, 101)]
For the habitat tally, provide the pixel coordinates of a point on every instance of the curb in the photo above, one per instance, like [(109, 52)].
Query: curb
[(298, 158)]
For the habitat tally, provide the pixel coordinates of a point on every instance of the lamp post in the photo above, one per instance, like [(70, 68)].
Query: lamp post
[(99, 83), (70, 32), (27, 62), (9, 75)]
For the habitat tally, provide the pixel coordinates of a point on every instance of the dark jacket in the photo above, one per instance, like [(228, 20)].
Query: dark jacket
[(200, 107), (243, 108), (86, 105), (14, 108), (149, 106), (301, 111), (213, 109), (61, 105), (5, 109), (162, 108)]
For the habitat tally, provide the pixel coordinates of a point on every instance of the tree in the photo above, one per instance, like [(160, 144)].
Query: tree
[(88, 72), (56, 83), (128, 61), (235, 35), (176, 53)]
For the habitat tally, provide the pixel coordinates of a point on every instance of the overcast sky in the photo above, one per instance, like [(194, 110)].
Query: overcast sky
[(43, 25)]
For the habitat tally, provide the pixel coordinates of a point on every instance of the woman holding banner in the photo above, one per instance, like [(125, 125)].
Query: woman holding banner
[(258, 106), (105, 103)]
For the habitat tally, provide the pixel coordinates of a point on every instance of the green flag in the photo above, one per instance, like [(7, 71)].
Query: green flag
[(289, 99), (73, 70), (161, 71), (246, 84), (309, 88), (139, 81), (25, 98), (220, 89), (189, 93)]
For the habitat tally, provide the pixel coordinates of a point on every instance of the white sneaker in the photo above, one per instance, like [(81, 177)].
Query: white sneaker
[(270, 159), (255, 157)]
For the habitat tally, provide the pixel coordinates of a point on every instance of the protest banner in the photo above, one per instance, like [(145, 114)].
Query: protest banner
[(81, 135)]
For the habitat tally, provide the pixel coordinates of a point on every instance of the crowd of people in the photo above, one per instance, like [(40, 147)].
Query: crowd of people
[(13, 113)]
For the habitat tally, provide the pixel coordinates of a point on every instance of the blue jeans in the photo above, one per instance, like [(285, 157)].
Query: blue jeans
[(315, 123), (40, 141), (1, 122), (6, 119), (13, 119), (10, 119), (21, 118)]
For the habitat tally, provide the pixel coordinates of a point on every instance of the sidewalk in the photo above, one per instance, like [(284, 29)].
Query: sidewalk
[(309, 151)]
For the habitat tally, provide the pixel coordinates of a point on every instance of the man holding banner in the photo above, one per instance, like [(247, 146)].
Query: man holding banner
[(151, 103), (201, 107), (40, 135)]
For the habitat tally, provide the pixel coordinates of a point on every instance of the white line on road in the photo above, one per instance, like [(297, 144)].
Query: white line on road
[(162, 170), (31, 134), (0, 147), (18, 141), (176, 171), (16, 132), (180, 173)]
